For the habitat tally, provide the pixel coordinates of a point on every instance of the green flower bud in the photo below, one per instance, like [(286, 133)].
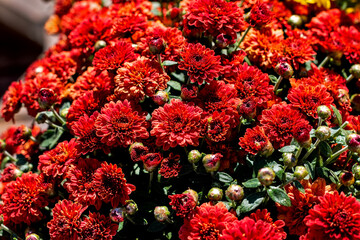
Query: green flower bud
[(161, 213), (160, 97), (300, 172), (193, 193), (32, 236), (266, 176), (117, 215), (323, 133), (215, 194), (194, 156), (289, 160), (295, 21), (355, 70), (211, 162), (353, 142), (356, 171), (99, 45), (131, 207), (347, 178), (323, 112), (235, 192)]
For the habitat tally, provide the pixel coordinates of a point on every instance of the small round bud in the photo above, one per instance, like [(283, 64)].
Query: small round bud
[(355, 70), (289, 160), (2, 145), (284, 69), (235, 192), (323, 112), (300, 172), (151, 161), (189, 92), (137, 150), (117, 215), (175, 14), (223, 40), (161, 213), (41, 117), (32, 236), (247, 108), (160, 97), (266, 176), (194, 156), (215, 194), (47, 98), (295, 21), (193, 193), (64, 112), (353, 142), (322, 133), (211, 162), (347, 178), (99, 45), (131, 207), (356, 171), (156, 45)]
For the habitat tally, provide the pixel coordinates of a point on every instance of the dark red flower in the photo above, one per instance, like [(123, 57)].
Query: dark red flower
[(208, 222), (260, 15), (183, 204), (255, 141), (137, 150), (11, 103), (24, 199), (9, 173), (200, 63), (350, 37), (119, 125), (176, 124), (54, 163), (151, 161), (66, 220), (114, 56), (302, 133), (97, 226), (110, 184), (264, 215), (170, 166), (335, 217), (217, 127)]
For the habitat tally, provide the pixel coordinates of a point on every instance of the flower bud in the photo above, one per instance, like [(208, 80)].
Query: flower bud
[(99, 45), (295, 21), (356, 171), (322, 133), (175, 14), (266, 176), (151, 161), (131, 207), (211, 162), (64, 112), (160, 97), (161, 213), (2, 145), (355, 101), (32, 236), (223, 40), (117, 215), (215, 194), (289, 160), (193, 194), (355, 70), (235, 192), (189, 92), (156, 45), (284, 69), (323, 112), (353, 142), (47, 98), (137, 150), (247, 108), (194, 156), (300, 172), (347, 178)]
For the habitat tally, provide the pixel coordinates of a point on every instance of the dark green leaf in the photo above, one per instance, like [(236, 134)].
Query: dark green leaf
[(325, 149), (278, 195), (340, 140), (156, 226), (252, 183), (322, 172), (51, 138), (288, 149), (179, 76), (120, 227), (278, 169), (175, 85), (337, 114), (298, 185), (224, 177), (251, 202), (169, 63), (310, 168)]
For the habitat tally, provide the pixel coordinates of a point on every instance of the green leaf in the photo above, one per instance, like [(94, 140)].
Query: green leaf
[(337, 114), (175, 85), (278, 195), (298, 185), (224, 177), (156, 226), (51, 138), (169, 63), (325, 149), (251, 202), (288, 149), (121, 226), (179, 76), (310, 168), (252, 183), (273, 78)]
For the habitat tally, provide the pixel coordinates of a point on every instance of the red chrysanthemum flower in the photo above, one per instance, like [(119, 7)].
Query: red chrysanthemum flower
[(170, 166), (114, 56), (110, 184), (128, 24), (11, 103), (66, 220), (176, 123), (24, 199), (301, 133), (138, 79), (215, 17), (217, 127), (62, 64), (260, 15), (9, 173), (184, 204), (308, 98), (137, 150), (255, 141), (62, 6), (97, 226), (264, 215), (79, 182), (119, 125), (350, 37), (151, 161), (209, 222), (54, 163), (354, 123), (279, 122), (336, 217), (248, 229), (200, 63)]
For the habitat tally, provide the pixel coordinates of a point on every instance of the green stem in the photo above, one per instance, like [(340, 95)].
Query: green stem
[(320, 122), (242, 38), (51, 124), (349, 78), (341, 127), (288, 182), (335, 155), (348, 159), (33, 139), (311, 150), (160, 62), (10, 156), (324, 62), (277, 83), (298, 152), (151, 176), (57, 116), (11, 232)]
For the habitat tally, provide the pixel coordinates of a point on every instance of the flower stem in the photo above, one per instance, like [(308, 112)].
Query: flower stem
[(320, 122), (324, 62), (57, 116), (298, 152), (242, 38), (287, 182), (5, 228), (10, 156), (349, 78), (348, 159), (335, 155), (311, 150), (341, 127), (33, 139), (51, 124), (151, 176), (160, 62), (277, 83)]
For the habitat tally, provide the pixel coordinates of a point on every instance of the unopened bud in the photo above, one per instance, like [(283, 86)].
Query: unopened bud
[(295, 21), (161, 213), (355, 70), (300, 172), (151, 161), (323, 112), (211, 162), (32, 236), (160, 97), (353, 142), (223, 40), (215, 194), (235, 192), (156, 45), (323, 133), (117, 215), (290, 160), (131, 207), (356, 171), (193, 194), (2, 145), (47, 98), (266, 176), (284, 69), (347, 178), (99, 45), (137, 150), (194, 156)]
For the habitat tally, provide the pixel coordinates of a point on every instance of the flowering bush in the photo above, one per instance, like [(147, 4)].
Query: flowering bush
[(193, 119)]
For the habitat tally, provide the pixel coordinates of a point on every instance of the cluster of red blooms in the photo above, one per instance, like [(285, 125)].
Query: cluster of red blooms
[(134, 87)]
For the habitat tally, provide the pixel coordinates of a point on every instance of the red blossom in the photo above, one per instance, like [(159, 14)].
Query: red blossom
[(264, 215), (255, 141), (97, 226), (260, 15), (217, 127), (183, 204), (170, 166), (11, 103)]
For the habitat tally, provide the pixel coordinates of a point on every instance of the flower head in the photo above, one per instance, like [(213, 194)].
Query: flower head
[(97, 226), (260, 14), (183, 204), (11, 101), (170, 166), (255, 141)]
